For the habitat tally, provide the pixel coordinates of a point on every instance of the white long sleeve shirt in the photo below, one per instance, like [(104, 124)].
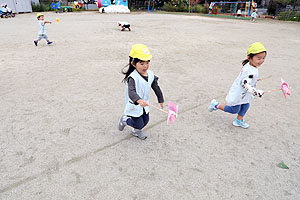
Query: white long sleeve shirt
[(243, 88)]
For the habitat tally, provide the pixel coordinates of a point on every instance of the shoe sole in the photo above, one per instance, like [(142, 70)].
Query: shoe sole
[(240, 126), (135, 135)]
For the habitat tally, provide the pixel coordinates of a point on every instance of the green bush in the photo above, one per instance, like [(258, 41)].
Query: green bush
[(200, 8), (177, 6), (40, 7), (182, 6), (289, 16)]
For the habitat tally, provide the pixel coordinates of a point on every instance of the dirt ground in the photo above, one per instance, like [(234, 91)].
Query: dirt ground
[(60, 106)]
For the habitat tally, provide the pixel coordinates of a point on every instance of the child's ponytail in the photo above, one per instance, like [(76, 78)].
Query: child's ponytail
[(130, 69), (251, 55), (244, 62)]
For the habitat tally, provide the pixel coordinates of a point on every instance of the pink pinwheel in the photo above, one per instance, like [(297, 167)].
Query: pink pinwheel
[(172, 114), (285, 88)]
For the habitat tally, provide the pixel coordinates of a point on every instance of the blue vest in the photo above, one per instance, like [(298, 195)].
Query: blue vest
[(142, 89)]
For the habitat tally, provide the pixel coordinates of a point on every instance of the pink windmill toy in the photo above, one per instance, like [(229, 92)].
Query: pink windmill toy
[(285, 88), (172, 113)]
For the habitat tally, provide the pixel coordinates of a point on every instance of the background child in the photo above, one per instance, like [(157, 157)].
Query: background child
[(6, 11), (243, 89), (239, 13), (42, 29), (254, 15), (139, 80), (124, 25)]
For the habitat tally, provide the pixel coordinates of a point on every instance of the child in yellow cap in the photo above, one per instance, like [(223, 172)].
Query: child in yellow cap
[(139, 80), (42, 29), (243, 88)]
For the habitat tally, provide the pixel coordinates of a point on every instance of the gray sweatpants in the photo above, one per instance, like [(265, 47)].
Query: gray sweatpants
[(41, 36)]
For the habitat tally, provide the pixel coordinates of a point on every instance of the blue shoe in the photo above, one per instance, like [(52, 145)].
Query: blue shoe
[(240, 123), (213, 105), (35, 42), (49, 42)]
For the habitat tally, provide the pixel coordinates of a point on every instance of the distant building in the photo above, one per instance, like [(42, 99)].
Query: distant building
[(18, 6)]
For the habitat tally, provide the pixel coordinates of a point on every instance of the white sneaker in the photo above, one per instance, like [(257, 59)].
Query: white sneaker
[(240, 123), (213, 105)]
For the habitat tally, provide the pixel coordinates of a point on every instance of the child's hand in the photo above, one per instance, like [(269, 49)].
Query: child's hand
[(260, 93), (161, 105), (142, 103)]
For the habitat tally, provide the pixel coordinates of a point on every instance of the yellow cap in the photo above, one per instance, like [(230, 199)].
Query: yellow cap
[(140, 51), (256, 48), (39, 14)]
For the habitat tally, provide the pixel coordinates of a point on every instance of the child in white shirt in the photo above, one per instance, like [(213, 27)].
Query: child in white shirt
[(124, 25), (253, 15), (42, 30), (243, 88)]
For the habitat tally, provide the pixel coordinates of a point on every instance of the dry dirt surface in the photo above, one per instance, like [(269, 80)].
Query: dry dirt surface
[(60, 105)]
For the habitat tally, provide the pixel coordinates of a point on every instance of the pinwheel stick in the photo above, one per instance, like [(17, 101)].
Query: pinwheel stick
[(274, 90), (158, 108), (262, 79)]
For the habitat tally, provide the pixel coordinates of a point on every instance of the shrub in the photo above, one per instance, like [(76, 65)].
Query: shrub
[(40, 7), (182, 6), (176, 8), (289, 16), (201, 8)]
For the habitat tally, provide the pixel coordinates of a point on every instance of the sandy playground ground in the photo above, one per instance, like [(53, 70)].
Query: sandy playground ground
[(60, 105)]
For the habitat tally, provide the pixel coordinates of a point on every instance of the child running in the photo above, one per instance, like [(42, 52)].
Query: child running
[(244, 87), (124, 25), (42, 29), (254, 15), (139, 81)]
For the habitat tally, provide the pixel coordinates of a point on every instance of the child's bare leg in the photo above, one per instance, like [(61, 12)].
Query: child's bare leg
[(221, 107), (239, 117)]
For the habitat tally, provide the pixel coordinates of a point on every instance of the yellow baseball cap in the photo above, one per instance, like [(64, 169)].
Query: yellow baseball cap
[(39, 14), (140, 51), (256, 48)]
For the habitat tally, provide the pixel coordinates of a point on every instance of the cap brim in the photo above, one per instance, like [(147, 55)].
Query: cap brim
[(146, 58)]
